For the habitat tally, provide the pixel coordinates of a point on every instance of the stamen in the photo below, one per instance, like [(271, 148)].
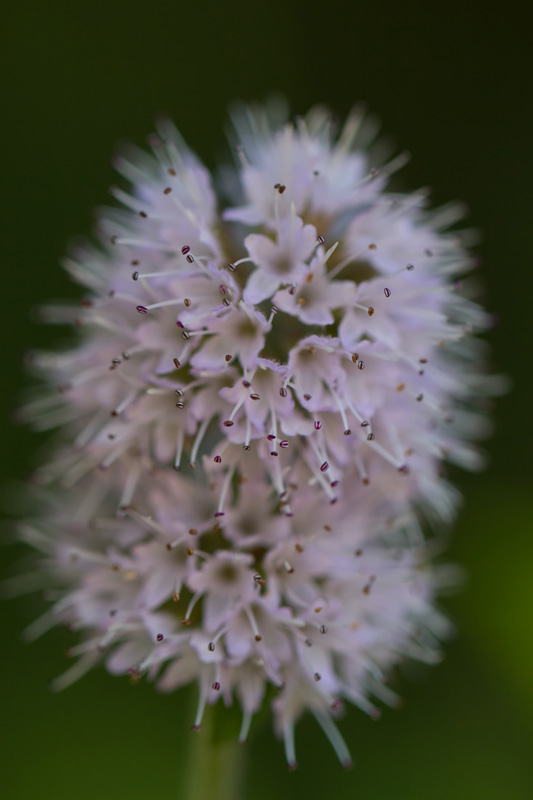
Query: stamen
[(386, 455), (246, 445), (236, 407), (162, 274), (179, 449), (315, 471), (236, 264), (194, 599), (75, 672), (245, 727), (130, 397), (288, 740), (201, 706), (334, 737), (359, 465), (225, 487), (129, 488), (369, 310), (253, 624), (199, 437), (161, 304), (274, 431)]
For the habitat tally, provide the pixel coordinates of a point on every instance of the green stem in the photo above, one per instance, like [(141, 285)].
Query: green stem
[(215, 767)]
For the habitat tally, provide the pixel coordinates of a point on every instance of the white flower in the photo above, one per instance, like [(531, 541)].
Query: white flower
[(281, 261), (251, 445)]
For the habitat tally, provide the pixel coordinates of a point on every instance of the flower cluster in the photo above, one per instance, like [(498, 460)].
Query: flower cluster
[(254, 421)]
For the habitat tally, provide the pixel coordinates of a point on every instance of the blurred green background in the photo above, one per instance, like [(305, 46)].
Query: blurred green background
[(451, 81)]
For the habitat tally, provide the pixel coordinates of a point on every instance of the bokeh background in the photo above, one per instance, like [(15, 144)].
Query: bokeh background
[(451, 81)]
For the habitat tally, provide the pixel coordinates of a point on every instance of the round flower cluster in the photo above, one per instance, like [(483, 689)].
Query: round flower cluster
[(254, 420)]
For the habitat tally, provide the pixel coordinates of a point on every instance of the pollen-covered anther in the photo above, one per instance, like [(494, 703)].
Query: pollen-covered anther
[(216, 686), (317, 676), (159, 637), (259, 580), (211, 647)]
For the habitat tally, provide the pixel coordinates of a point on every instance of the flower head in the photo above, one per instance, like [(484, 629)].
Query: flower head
[(254, 422)]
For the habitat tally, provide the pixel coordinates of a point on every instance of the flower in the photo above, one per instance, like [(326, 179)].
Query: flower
[(253, 426)]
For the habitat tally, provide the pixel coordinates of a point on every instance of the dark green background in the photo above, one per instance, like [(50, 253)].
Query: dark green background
[(451, 81)]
